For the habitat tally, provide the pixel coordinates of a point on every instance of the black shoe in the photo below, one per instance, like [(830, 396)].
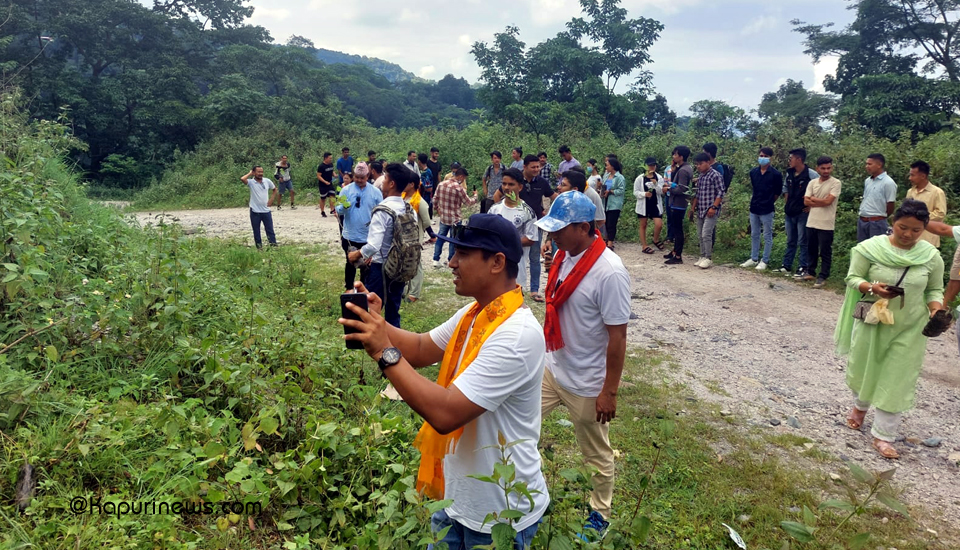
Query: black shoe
[(668, 255), (674, 260), (324, 214)]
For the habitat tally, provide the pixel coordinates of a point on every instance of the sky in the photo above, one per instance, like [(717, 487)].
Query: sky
[(731, 50)]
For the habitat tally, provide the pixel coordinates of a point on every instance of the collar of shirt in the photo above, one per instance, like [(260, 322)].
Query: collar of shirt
[(880, 176)]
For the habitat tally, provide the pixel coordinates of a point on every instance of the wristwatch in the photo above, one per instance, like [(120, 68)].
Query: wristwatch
[(388, 358)]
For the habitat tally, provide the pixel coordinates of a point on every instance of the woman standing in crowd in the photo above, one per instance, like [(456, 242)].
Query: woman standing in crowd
[(885, 359), (614, 196), (648, 190)]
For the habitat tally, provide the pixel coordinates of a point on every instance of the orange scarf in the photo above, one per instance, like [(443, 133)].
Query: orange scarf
[(414, 200), (433, 446)]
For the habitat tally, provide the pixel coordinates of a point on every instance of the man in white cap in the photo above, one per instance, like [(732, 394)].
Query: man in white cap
[(588, 306)]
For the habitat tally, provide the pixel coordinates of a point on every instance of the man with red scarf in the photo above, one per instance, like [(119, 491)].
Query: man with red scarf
[(588, 307)]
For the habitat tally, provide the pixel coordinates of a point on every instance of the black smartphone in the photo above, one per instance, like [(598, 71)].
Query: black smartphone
[(360, 300)]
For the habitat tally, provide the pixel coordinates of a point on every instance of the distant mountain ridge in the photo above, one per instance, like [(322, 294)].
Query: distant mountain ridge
[(386, 69)]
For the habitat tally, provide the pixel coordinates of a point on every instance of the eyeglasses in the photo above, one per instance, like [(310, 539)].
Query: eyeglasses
[(358, 201)]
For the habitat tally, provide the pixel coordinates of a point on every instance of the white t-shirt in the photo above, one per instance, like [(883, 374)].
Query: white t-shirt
[(259, 194), (521, 216), (591, 194), (602, 298), (505, 380)]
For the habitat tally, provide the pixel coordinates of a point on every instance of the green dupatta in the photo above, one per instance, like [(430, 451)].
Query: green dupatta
[(877, 250)]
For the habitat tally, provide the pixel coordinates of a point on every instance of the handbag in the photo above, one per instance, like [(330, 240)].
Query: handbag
[(864, 306)]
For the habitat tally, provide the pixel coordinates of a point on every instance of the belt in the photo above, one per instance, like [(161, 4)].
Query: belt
[(872, 218)]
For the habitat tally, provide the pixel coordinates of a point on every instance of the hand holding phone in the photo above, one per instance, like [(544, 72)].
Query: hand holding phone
[(360, 300)]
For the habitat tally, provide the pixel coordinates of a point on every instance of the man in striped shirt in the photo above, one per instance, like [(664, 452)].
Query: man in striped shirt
[(707, 206)]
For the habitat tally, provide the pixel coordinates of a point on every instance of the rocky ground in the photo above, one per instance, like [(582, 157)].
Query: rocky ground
[(760, 346)]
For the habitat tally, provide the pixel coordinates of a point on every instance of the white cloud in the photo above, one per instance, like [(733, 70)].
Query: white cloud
[(760, 24), (427, 72), (827, 66), (748, 79), (278, 14), (464, 39), (780, 81), (457, 63), (407, 15)]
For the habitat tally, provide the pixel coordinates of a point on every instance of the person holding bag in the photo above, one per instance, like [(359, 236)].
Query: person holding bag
[(885, 360)]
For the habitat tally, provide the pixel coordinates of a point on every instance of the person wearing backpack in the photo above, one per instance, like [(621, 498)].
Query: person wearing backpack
[(393, 246), (725, 171)]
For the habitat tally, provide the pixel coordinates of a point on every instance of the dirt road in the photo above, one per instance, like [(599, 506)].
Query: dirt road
[(761, 346)]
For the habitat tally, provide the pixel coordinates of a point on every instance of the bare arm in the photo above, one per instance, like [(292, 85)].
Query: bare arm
[(891, 206), (243, 179), (616, 351), (940, 228), (498, 196), (953, 288)]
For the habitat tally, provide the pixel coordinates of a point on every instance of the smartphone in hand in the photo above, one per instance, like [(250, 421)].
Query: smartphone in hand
[(360, 300)]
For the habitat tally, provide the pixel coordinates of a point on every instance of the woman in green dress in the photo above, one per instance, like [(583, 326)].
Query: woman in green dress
[(884, 361)]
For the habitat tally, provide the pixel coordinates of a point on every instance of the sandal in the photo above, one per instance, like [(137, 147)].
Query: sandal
[(648, 250), (659, 245), (886, 449), (855, 418), (537, 297)]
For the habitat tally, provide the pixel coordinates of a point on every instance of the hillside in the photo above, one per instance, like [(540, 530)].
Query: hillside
[(391, 71)]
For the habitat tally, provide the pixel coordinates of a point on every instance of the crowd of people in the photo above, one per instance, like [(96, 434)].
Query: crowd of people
[(501, 371)]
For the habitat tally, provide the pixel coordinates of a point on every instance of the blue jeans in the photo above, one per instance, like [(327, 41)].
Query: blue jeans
[(390, 293), (462, 538), (764, 223), (534, 259), (438, 248), (797, 237), (256, 218)]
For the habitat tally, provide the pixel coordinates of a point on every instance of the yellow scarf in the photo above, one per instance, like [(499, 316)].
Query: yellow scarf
[(433, 446), (414, 200)]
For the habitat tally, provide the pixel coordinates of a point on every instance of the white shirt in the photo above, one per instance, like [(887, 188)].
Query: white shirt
[(521, 216), (380, 235), (505, 380), (591, 194), (259, 194), (412, 166), (602, 298), (379, 183)]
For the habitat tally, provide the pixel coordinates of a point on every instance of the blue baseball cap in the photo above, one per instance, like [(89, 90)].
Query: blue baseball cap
[(569, 207), (487, 232)]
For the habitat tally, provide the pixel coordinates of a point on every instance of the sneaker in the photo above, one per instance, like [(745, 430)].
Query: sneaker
[(749, 263), (762, 266), (292, 207), (783, 270), (820, 282), (707, 263), (808, 277), (674, 261), (668, 255), (699, 261), (279, 207), (322, 213), (596, 522)]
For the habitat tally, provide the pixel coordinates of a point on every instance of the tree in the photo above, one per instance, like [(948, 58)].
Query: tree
[(502, 70), (889, 105), (296, 41), (219, 14), (713, 116), (792, 101)]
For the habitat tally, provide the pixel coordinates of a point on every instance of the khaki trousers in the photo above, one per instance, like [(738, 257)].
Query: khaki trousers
[(592, 436)]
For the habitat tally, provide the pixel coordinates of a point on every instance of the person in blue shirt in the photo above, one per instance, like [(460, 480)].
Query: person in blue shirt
[(344, 164), (428, 181), (361, 199)]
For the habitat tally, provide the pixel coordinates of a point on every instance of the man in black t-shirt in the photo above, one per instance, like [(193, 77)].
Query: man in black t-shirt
[(535, 189), (433, 163), (325, 183)]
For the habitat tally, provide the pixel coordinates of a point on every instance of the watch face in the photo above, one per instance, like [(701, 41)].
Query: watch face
[(391, 356)]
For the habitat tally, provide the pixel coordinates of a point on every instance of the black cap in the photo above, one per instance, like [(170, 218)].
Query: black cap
[(652, 161), (488, 232)]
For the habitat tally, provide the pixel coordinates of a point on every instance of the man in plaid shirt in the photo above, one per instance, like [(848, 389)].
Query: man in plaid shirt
[(449, 197), (707, 206), (546, 170)]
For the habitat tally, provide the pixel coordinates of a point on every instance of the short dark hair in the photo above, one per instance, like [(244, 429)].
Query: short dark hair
[(767, 151), (411, 153), (701, 157), (400, 175), (497, 154), (530, 158), (434, 150), (615, 164), (563, 149), (577, 169), (422, 157), (255, 166), (878, 157), (592, 161), (576, 179), (512, 268), (327, 155), (824, 160), (376, 166), (345, 150), (541, 154), (461, 172), (912, 208), (612, 156), (710, 148), (681, 150), (371, 153), (519, 150), (513, 173), (921, 167), (800, 153)]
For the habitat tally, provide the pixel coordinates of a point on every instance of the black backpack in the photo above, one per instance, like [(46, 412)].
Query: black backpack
[(728, 173)]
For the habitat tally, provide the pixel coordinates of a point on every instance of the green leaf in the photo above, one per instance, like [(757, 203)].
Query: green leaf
[(838, 504), (860, 474), (893, 504), (888, 475), (511, 514), (561, 542), (285, 486), (84, 449), (858, 541), (808, 517), (269, 425), (435, 506), (798, 531), (503, 535), (640, 529), (52, 353), (212, 449)]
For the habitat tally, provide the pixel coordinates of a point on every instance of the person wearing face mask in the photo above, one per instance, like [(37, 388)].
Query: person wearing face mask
[(648, 190), (767, 183), (885, 360)]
